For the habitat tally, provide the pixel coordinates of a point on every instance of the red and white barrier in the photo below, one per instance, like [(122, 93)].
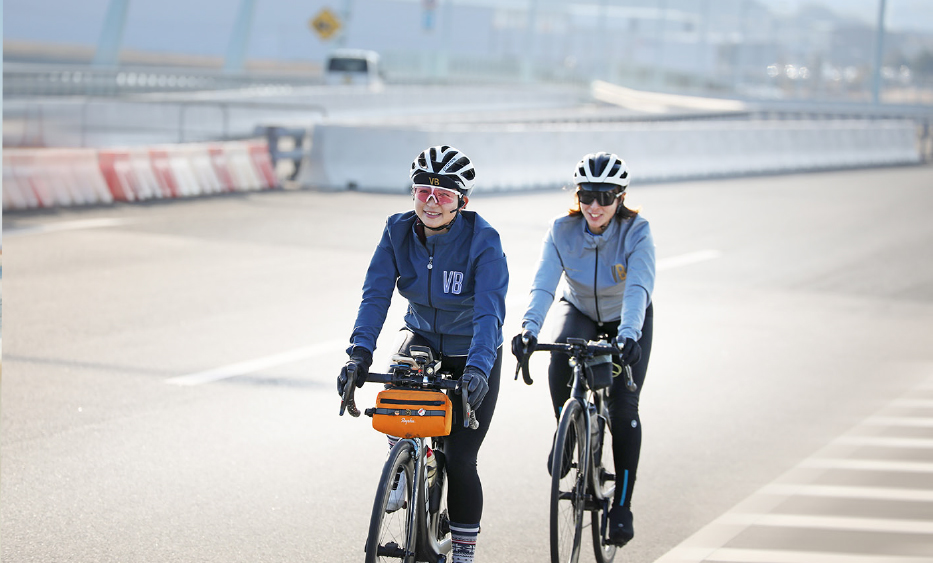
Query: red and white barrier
[(66, 177), (52, 177)]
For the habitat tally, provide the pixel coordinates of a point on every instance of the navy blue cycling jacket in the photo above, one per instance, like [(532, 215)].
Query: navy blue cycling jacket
[(455, 284)]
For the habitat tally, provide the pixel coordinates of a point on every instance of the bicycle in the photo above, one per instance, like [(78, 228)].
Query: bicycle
[(580, 482), (420, 529)]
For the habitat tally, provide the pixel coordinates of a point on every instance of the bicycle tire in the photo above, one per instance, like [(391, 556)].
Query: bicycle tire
[(568, 489), (603, 482), (391, 534)]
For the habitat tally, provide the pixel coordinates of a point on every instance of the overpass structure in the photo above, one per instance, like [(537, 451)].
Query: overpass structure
[(313, 135)]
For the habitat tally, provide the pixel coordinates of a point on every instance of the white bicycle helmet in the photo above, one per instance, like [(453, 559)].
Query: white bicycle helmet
[(447, 166), (601, 171)]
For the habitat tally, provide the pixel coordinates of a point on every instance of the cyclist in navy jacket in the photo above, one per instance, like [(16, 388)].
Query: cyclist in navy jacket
[(605, 253), (449, 264)]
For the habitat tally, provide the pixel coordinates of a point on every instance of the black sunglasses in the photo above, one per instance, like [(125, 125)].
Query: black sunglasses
[(604, 199)]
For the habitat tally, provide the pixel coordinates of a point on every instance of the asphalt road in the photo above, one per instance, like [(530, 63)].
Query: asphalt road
[(168, 390)]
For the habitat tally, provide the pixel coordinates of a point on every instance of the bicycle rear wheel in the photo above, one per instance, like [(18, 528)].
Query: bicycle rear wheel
[(391, 537), (568, 485)]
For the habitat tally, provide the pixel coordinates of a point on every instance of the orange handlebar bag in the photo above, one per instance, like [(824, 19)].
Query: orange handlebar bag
[(412, 413)]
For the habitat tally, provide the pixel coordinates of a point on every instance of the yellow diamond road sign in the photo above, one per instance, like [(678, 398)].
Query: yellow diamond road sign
[(325, 23)]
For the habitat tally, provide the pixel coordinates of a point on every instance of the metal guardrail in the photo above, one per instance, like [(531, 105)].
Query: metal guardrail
[(86, 122), (25, 79)]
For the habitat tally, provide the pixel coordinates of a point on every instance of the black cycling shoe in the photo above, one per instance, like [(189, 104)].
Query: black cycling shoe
[(567, 461), (621, 530)]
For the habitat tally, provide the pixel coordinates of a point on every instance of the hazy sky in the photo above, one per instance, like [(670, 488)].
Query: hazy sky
[(914, 15), (203, 26)]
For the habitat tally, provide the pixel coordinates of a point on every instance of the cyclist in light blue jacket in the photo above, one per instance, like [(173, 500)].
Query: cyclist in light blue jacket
[(605, 253)]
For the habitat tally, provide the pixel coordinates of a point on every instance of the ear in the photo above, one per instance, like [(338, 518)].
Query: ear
[(466, 200)]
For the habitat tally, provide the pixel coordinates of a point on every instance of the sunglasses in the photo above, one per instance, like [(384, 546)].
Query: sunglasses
[(442, 196), (603, 199)]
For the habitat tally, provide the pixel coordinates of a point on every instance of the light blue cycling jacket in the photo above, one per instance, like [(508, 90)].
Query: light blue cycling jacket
[(608, 277)]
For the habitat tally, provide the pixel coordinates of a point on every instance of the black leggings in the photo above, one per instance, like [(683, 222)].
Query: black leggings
[(464, 490), (624, 422)]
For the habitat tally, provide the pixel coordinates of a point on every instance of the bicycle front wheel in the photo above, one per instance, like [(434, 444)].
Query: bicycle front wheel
[(391, 536), (568, 485), (603, 485)]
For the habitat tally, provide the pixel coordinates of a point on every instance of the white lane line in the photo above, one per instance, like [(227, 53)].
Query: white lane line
[(835, 491), (687, 259), (735, 555), (914, 403), (869, 465), (904, 421), (886, 442), (64, 226), (250, 366), (887, 525)]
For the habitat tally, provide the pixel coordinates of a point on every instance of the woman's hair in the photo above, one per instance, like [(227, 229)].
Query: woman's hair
[(622, 211)]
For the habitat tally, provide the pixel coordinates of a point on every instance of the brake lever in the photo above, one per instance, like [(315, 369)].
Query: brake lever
[(348, 402), (629, 381), (469, 415), (522, 366)]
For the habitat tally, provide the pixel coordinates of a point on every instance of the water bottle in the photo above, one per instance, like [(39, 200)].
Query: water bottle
[(431, 465), (596, 436)]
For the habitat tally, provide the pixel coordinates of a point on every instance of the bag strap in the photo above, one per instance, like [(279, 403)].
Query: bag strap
[(431, 403), (408, 412)]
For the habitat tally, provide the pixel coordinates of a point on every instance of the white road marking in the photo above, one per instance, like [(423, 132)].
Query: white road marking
[(250, 366), (885, 442), (886, 525), (733, 555), (835, 491), (905, 421), (687, 259), (707, 545), (869, 465), (64, 226), (914, 403)]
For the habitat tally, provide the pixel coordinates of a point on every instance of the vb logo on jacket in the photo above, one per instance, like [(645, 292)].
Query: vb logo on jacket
[(453, 282)]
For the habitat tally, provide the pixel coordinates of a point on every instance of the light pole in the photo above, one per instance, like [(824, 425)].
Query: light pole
[(879, 54), (108, 46), (239, 39)]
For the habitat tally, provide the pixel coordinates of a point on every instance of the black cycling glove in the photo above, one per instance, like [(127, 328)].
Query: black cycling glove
[(362, 359), (522, 349), (474, 382), (629, 350)]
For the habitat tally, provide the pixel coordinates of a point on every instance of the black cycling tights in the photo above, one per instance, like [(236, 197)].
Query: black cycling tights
[(464, 491), (624, 422)]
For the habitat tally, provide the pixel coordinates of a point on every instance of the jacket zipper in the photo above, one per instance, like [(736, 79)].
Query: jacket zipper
[(599, 318), (431, 301), (430, 271)]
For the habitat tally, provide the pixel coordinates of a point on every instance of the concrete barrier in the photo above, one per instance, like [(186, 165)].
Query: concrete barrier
[(373, 158)]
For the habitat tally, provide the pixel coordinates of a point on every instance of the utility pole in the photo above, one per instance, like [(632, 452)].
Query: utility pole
[(345, 14), (531, 24), (879, 55)]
